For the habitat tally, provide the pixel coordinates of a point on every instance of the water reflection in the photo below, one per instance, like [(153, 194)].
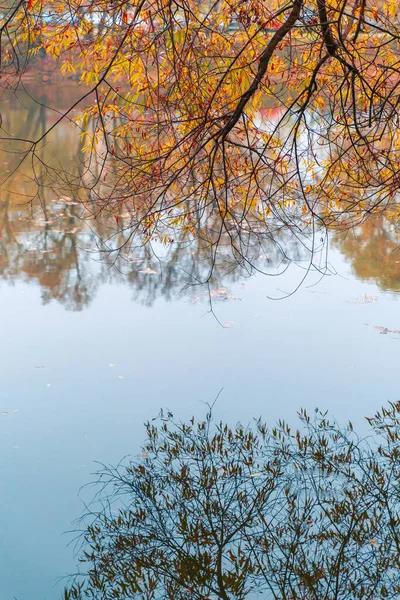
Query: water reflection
[(374, 251), (48, 238), (214, 512), (52, 246), (59, 370)]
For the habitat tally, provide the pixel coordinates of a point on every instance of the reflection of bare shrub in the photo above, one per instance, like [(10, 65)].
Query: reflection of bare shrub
[(211, 511)]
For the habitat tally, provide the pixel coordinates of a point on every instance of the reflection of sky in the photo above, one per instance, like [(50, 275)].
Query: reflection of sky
[(312, 349)]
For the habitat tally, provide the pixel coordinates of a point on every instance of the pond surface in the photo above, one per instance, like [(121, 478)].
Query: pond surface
[(90, 350)]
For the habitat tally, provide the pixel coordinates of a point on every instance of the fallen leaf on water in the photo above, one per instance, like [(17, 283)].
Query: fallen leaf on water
[(222, 294), (148, 272), (365, 300), (228, 325), (383, 330), (219, 293)]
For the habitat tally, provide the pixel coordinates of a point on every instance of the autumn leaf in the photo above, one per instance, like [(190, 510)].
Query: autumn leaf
[(185, 102)]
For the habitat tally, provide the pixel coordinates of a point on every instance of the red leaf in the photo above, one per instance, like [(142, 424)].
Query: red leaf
[(30, 4)]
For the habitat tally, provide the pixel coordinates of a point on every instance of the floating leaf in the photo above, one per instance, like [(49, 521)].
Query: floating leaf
[(148, 271)]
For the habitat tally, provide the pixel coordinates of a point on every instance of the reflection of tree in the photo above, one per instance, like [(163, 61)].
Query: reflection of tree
[(31, 250), (373, 248), (57, 266), (49, 244), (43, 237), (44, 230), (39, 233), (37, 211), (195, 269), (214, 512)]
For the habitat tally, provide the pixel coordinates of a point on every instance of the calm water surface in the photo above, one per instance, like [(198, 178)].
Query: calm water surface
[(90, 351)]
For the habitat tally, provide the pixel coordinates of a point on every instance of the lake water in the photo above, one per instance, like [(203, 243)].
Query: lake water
[(90, 351)]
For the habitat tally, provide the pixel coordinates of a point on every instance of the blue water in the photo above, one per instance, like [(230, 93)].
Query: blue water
[(82, 384), (88, 355)]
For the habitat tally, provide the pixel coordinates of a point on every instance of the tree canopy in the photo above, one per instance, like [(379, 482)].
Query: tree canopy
[(226, 120)]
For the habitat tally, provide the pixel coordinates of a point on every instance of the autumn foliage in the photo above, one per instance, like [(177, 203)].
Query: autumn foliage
[(229, 118)]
